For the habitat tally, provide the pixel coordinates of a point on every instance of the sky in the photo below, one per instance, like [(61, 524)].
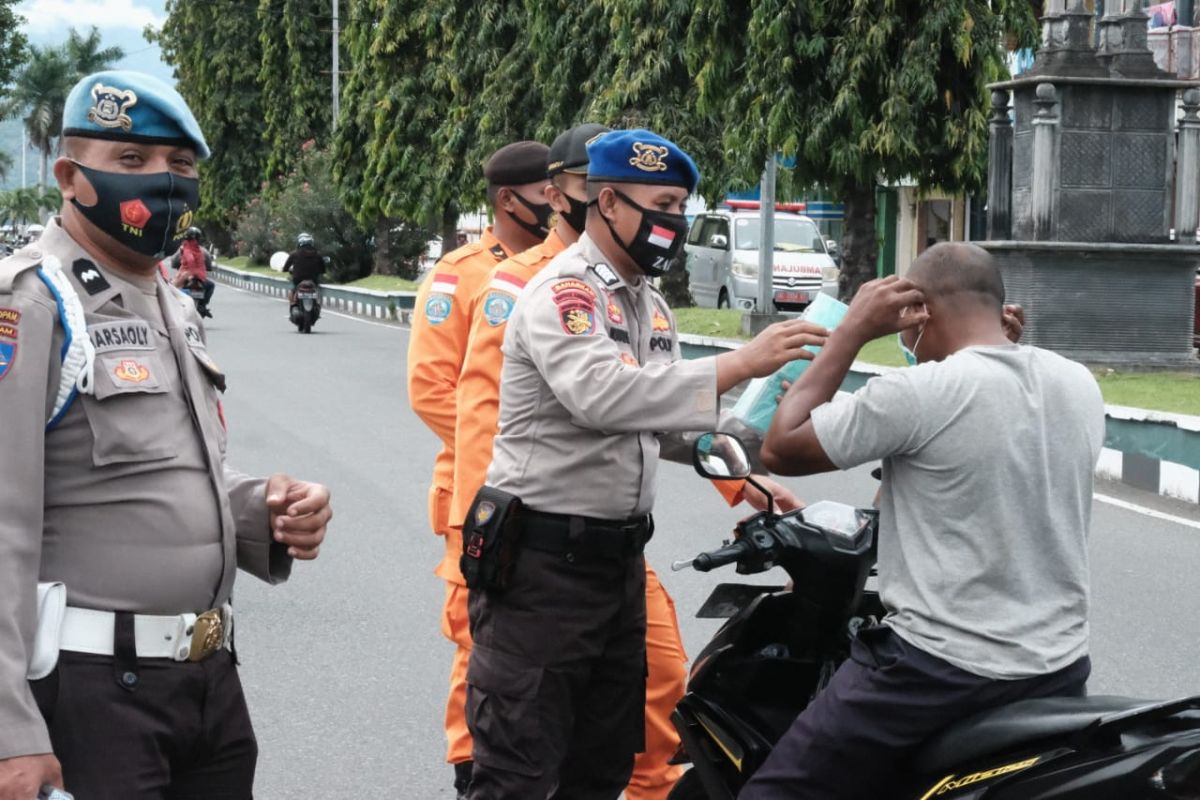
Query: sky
[(120, 23)]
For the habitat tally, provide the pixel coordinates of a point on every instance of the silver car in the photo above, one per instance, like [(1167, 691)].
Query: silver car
[(722, 260)]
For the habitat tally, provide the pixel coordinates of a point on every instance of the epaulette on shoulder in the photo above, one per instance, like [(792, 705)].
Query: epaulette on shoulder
[(531, 257), (455, 256), (25, 259)]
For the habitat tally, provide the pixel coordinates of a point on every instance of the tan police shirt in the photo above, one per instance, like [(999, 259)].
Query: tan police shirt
[(126, 498), (592, 376)]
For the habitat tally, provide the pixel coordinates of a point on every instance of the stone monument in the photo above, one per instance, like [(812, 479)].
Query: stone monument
[(1093, 209)]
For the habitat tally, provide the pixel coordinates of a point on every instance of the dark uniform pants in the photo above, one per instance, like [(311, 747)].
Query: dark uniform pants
[(556, 685), (852, 742), (182, 733)]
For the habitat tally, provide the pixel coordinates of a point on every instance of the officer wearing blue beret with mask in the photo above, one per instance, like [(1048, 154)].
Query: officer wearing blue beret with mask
[(592, 384), (123, 527)]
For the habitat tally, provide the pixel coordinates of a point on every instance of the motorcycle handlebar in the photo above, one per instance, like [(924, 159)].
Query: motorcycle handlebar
[(716, 558)]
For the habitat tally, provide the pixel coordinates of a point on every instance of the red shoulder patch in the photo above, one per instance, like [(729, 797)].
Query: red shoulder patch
[(576, 303)]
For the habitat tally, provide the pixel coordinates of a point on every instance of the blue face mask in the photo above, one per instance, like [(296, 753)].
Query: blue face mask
[(910, 355)]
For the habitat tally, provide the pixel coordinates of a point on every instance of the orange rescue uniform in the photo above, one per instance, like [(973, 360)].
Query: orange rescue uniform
[(478, 414), (437, 344)]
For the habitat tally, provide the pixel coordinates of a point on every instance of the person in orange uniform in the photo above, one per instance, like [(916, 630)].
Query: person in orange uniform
[(478, 412), (516, 177)]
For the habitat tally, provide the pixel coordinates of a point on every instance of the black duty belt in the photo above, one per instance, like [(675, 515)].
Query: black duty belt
[(571, 535)]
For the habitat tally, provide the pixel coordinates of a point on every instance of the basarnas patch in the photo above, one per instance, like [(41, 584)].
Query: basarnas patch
[(576, 303), (437, 308), (497, 308)]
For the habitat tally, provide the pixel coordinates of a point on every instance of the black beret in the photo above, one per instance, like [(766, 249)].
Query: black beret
[(516, 164), (569, 151)]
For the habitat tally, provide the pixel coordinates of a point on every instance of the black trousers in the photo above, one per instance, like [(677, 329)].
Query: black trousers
[(181, 731), (854, 739), (556, 684)]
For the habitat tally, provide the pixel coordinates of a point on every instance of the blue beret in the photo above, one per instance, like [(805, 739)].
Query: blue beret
[(639, 156), (131, 107)]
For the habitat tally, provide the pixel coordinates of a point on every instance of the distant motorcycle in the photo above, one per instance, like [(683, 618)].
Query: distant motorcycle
[(306, 306), (195, 289)]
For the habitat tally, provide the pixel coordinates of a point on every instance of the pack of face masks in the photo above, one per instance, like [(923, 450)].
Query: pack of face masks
[(757, 404)]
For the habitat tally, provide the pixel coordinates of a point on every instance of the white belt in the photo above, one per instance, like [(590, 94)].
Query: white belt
[(183, 637)]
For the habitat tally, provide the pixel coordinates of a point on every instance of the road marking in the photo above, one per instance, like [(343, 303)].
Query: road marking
[(1149, 512)]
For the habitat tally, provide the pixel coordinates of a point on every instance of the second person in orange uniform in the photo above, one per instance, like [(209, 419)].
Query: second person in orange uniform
[(516, 176)]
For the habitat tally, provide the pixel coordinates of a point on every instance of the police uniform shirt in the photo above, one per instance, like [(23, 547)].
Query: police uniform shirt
[(126, 498), (592, 375)]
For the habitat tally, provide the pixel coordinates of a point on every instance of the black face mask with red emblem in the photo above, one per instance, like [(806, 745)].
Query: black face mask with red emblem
[(147, 212)]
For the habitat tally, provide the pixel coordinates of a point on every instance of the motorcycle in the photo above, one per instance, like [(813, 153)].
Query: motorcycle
[(306, 306), (780, 646), (194, 288)]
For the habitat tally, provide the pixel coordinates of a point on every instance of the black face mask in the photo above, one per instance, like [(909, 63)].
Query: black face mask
[(542, 211), (657, 241), (148, 212), (577, 216)]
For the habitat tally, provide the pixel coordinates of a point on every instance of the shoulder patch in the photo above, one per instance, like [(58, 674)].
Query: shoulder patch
[(438, 307), (498, 307), (9, 319), (576, 303)]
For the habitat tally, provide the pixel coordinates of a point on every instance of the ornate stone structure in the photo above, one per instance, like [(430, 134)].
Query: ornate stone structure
[(1085, 203)]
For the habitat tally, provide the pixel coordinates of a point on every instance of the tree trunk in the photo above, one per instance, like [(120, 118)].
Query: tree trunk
[(43, 169), (384, 263), (449, 228), (860, 247)]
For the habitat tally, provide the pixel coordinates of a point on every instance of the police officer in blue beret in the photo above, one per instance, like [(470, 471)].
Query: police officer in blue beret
[(592, 378), (123, 527)]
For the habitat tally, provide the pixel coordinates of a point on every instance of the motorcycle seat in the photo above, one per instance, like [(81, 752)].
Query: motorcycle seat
[(1011, 726)]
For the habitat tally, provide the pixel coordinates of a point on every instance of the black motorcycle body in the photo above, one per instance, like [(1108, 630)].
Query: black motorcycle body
[(194, 288), (306, 306), (779, 648)]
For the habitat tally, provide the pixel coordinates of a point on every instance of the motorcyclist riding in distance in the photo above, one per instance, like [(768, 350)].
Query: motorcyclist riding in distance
[(304, 263), (192, 261)]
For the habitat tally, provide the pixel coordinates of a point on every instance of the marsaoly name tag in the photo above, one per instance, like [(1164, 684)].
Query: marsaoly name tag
[(131, 334)]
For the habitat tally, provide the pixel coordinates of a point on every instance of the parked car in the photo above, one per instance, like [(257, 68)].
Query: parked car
[(722, 259)]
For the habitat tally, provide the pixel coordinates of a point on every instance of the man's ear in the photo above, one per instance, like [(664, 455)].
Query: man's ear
[(505, 200), (606, 201), (65, 171), (557, 198)]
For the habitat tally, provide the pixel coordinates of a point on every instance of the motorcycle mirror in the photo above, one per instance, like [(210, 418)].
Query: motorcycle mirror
[(721, 456)]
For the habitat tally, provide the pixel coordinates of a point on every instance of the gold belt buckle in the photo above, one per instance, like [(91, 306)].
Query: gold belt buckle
[(208, 634)]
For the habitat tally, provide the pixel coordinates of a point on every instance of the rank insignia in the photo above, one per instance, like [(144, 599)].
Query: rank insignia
[(659, 322), (485, 512), (8, 353), (131, 371), (576, 303), (437, 308), (91, 278), (497, 307), (109, 107), (649, 157)]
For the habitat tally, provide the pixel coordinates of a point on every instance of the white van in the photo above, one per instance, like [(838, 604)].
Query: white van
[(722, 259)]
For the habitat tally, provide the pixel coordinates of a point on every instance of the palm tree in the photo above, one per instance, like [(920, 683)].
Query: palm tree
[(39, 93), (85, 54), (41, 88), (19, 205), (6, 163)]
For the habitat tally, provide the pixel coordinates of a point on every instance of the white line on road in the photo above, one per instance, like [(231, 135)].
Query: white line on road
[(1149, 512)]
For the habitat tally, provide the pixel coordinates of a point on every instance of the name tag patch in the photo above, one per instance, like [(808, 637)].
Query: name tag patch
[(124, 335)]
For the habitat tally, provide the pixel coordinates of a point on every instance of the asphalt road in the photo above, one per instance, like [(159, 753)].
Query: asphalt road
[(344, 665)]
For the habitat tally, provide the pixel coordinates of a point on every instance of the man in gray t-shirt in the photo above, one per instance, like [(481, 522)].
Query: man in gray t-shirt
[(988, 452)]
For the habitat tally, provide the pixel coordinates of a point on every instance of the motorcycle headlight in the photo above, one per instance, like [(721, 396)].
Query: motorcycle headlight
[(744, 269), (830, 274)]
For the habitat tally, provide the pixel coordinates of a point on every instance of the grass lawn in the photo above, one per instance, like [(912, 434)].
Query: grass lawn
[(241, 262), (1175, 392), (383, 283)]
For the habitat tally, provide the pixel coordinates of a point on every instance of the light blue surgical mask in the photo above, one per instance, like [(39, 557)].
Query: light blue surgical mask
[(910, 355)]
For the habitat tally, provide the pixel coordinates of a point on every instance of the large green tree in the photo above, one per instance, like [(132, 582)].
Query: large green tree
[(87, 54), (38, 95), (858, 91), (215, 50), (12, 43), (294, 78)]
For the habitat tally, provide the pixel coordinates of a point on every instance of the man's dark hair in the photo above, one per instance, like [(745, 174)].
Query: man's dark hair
[(952, 268)]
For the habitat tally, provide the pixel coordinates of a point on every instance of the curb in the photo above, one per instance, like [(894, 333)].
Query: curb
[(1154, 451)]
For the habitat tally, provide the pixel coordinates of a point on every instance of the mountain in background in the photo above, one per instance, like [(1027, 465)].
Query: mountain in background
[(139, 55)]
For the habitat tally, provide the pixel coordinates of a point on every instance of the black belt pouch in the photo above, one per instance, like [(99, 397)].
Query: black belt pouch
[(491, 534)]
